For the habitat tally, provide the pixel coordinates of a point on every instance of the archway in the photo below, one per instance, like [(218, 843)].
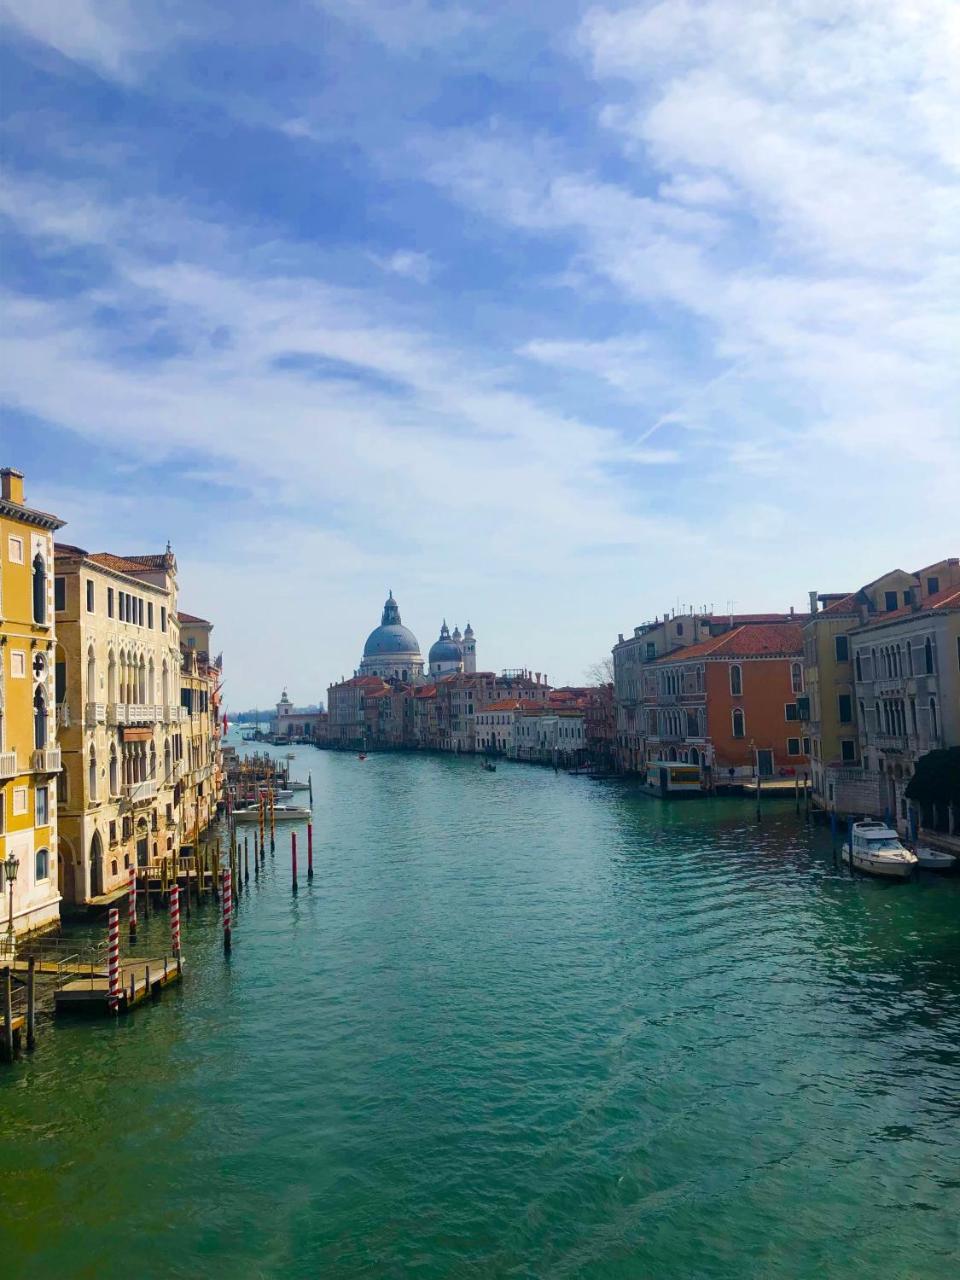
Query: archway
[(96, 866), (143, 843), (68, 870)]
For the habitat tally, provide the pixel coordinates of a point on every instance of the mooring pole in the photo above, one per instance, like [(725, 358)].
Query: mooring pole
[(293, 858), (113, 958), (227, 912), (310, 788), (273, 823), (31, 1003), (132, 903), (796, 791), (246, 862), (309, 850), (175, 923), (8, 1014)]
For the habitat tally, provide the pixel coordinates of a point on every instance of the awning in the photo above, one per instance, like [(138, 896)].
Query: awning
[(136, 735)]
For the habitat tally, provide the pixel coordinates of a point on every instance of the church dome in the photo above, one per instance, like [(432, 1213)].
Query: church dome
[(392, 639), (445, 649)]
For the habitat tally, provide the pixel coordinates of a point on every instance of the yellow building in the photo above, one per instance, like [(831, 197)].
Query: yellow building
[(122, 726), (830, 709), (29, 757), (200, 700)]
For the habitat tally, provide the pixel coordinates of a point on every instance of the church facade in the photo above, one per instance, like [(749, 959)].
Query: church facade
[(392, 651)]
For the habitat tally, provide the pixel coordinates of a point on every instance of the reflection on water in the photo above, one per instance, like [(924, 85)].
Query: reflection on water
[(520, 1024)]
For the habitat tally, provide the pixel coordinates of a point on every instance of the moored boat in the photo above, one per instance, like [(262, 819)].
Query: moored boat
[(935, 859), (876, 849), (281, 813)]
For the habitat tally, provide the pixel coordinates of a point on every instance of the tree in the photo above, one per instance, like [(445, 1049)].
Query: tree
[(600, 673), (936, 779)]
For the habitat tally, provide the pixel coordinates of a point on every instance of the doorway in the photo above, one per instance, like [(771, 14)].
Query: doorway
[(96, 866), (765, 763)]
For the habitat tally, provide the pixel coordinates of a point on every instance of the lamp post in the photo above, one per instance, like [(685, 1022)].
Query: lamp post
[(11, 865)]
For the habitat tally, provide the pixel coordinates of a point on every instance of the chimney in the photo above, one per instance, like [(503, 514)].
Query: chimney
[(791, 611), (11, 485), (813, 602), (915, 602)]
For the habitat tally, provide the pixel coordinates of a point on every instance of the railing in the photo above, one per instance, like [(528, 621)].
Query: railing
[(8, 764), (46, 760), (94, 713), (142, 713), (116, 713), (141, 792)]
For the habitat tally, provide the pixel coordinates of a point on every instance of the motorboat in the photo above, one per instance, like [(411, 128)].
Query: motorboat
[(876, 849), (281, 813), (298, 786), (935, 859)]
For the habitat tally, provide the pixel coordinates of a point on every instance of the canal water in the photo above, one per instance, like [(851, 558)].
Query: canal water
[(520, 1025)]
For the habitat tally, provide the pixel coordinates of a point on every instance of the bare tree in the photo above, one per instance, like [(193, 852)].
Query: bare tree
[(600, 673)]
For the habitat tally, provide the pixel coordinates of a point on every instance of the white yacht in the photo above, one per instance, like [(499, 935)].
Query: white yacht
[(281, 813), (876, 849)]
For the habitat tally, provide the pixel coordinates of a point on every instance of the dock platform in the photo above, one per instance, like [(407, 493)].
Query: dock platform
[(140, 980)]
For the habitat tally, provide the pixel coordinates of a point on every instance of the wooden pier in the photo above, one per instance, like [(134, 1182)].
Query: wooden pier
[(88, 993)]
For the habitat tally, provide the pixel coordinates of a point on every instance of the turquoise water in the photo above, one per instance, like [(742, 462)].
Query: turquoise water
[(519, 1025)]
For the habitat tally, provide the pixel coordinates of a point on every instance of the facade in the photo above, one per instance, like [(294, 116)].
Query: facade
[(729, 705), (907, 682), (347, 709), (123, 728), (650, 642), (840, 780), (200, 784), (29, 757), (299, 724), (600, 727)]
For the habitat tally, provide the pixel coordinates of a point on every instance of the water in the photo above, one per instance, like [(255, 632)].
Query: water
[(519, 1025)]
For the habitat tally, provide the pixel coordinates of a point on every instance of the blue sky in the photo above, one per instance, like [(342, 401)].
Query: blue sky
[(549, 317)]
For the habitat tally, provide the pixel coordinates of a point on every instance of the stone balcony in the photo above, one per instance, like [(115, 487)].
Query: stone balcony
[(45, 760), (8, 764), (94, 713), (141, 792)]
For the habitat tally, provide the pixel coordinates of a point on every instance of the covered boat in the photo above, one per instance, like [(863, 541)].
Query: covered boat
[(876, 849)]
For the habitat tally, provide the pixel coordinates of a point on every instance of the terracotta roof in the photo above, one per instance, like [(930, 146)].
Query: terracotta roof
[(752, 640), (846, 604), (192, 617), (949, 598), (127, 564)]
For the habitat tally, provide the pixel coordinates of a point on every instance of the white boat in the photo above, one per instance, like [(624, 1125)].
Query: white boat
[(294, 785), (935, 859), (281, 813), (876, 849)]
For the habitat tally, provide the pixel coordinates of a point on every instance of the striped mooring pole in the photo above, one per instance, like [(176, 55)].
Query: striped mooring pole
[(309, 850), (132, 903), (175, 921), (293, 858), (113, 957), (227, 899)]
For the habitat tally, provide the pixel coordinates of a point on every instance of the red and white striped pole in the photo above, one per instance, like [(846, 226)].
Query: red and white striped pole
[(113, 957), (293, 858), (309, 850), (175, 920), (132, 902), (226, 899)]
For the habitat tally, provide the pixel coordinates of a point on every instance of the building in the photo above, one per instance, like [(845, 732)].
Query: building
[(347, 721), (200, 781), (729, 704), (123, 728), (297, 724), (392, 651), (907, 685), (651, 641), (600, 727), (839, 779), (29, 757)]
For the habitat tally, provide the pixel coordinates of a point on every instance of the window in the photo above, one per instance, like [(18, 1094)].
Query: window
[(845, 708), (651, 650), (796, 677), (150, 614), (39, 720), (806, 746), (848, 750), (59, 594), (738, 725), (934, 730), (19, 801), (928, 656), (140, 612), (163, 618), (42, 806), (18, 664), (791, 711), (793, 746), (842, 646), (42, 864), (679, 628), (15, 550), (890, 599), (109, 602), (39, 590), (933, 586), (736, 681), (90, 595)]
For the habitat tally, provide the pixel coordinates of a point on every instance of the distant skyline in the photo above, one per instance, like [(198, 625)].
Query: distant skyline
[(548, 317)]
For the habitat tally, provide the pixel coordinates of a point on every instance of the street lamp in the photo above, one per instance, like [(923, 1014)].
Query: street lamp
[(11, 865)]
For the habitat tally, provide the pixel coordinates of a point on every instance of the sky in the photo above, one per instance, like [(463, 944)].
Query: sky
[(549, 317)]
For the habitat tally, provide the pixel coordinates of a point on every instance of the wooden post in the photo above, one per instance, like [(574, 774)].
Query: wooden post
[(7, 1014), (256, 862), (796, 791), (309, 850), (146, 893), (31, 1003), (293, 858), (132, 903), (147, 987), (310, 788), (175, 921), (227, 913), (273, 823), (133, 988), (806, 796), (113, 958)]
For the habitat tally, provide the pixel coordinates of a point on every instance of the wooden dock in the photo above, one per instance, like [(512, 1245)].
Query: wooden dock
[(88, 993)]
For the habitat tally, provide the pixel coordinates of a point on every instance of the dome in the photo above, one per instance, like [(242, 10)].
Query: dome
[(445, 649), (391, 640)]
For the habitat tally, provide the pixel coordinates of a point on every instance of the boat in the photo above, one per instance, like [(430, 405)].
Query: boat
[(361, 755), (488, 767), (281, 813), (935, 859), (876, 849), (298, 786)]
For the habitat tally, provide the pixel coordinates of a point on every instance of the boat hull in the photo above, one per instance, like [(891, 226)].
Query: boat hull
[(887, 870)]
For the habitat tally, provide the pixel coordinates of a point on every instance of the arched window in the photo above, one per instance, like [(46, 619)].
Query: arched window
[(738, 726), (736, 681), (910, 657), (796, 677), (153, 761), (39, 590), (859, 666), (876, 708), (111, 677), (114, 773), (165, 686), (928, 656), (91, 675), (934, 730), (92, 774), (151, 682), (42, 864), (39, 720)]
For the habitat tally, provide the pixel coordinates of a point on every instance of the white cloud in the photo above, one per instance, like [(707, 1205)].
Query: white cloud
[(108, 35), (407, 263)]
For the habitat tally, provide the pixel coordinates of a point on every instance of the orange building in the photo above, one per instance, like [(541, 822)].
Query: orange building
[(729, 704)]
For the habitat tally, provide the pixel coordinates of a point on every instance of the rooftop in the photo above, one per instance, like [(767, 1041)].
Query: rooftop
[(751, 640)]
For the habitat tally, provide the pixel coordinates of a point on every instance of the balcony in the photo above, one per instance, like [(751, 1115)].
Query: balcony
[(141, 713), (8, 764), (46, 760), (141, 792), (116, 713), (94, 713)]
